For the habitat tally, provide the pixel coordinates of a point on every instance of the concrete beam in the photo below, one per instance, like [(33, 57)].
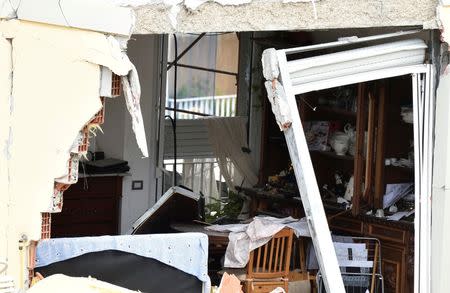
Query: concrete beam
[(163, 16)]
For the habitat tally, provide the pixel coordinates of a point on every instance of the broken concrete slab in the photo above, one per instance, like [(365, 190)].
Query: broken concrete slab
[(159, 16)]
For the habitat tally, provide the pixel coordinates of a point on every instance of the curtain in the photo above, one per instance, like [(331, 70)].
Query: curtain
[(228, 137), (200, 175)]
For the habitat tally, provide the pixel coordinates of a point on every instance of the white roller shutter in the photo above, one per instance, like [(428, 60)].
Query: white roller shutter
[(351, 66), (192, 140)]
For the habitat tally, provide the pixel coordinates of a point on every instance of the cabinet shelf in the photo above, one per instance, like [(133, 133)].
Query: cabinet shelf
[(328, 113), (336, 111), (333, 155), (400, 169)]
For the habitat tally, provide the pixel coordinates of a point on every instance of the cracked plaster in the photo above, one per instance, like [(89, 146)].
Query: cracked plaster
[(158, 16)]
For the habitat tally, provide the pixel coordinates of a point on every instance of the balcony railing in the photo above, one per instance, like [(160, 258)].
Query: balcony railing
[(200, 175), (222, 106)]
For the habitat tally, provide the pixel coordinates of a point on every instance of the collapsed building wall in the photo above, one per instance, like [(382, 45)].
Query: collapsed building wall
[(50, 89)]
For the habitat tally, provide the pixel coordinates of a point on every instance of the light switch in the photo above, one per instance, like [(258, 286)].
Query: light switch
[(137, 185)]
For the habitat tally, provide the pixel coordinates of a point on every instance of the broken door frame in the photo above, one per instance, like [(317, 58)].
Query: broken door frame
[(423, 109)]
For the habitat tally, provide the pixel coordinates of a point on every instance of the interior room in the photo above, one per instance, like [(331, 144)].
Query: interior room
[(211, 132)]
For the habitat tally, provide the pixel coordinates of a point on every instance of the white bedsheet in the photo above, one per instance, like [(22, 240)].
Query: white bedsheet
[(247, 237)]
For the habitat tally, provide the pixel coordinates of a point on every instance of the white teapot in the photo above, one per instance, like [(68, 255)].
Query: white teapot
[(339, 141), (343, 141)]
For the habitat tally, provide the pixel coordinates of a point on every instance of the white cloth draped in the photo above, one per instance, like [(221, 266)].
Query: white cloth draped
[(228, 135), (247, 237), (200, 176)]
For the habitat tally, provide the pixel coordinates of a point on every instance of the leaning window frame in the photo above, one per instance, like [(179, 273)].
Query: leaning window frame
[(424, 111)]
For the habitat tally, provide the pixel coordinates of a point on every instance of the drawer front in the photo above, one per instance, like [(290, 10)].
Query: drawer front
[(96, 210), (85, 229), (387, 233), (342, 224), (94, 186)]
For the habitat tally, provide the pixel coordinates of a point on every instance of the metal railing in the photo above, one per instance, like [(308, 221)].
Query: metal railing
[(221, 106)]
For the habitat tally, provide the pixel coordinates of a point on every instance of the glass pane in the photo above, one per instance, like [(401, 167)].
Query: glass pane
[(201, 91)]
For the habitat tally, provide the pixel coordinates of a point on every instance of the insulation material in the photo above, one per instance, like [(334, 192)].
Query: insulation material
[(132, 93), (270, 64), (55, 92), (280, 108)]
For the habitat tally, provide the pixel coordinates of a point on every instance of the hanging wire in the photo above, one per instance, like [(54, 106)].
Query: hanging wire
[(174, 120)]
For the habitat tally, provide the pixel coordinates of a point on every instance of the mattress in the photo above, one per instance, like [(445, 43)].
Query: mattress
[(184, 255)]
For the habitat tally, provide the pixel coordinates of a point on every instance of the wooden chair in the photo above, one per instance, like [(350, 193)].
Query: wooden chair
[(268, 266), (299, 271)]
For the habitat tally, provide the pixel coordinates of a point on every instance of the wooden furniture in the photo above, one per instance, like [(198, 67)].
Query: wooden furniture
[(218, 241), (275, 204), (217, 245), (268, 266), (380, 134), (91, 208), (397, 247)]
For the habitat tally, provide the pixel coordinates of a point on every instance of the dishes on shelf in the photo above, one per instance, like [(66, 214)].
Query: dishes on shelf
[(407, 114), (341, 141)]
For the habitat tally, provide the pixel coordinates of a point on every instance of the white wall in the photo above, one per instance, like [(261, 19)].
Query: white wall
[(440, 235), (118, 140)]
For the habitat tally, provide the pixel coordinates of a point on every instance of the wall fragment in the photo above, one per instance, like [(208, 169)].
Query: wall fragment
[(97, 15), (56, 82), (5, 107)]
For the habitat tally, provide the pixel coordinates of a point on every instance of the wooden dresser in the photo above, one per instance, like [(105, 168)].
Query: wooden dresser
[(91, 207), (397, 247)]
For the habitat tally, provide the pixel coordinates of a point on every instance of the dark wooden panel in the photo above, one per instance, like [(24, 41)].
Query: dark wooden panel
[(87, 210), (392, 266), (381, 149), (93, 186), (84, 229), (361, 121), (344, 224), (90, 208), (384, 232)]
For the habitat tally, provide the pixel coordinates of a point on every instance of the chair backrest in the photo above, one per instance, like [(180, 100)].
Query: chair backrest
[(273, 258)]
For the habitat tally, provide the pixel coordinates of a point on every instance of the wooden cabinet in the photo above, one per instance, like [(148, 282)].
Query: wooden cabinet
[(397, 247), (369, 115), (392, 261), (91, 207)]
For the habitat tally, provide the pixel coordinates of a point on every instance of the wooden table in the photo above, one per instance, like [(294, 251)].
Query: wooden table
[(272, 203), (218, 241)]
